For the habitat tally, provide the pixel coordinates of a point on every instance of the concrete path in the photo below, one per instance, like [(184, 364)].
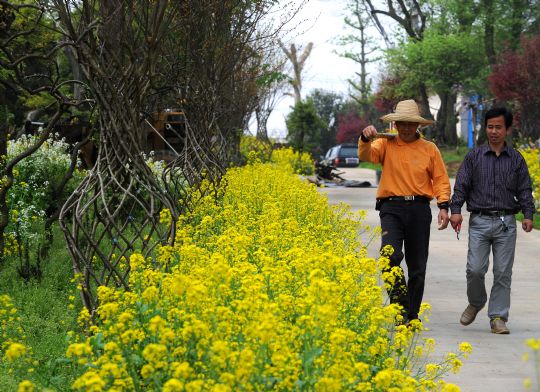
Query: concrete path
[(496, 362)]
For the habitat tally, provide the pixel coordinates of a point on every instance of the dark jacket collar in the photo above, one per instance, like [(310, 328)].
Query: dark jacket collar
[(486, 148)]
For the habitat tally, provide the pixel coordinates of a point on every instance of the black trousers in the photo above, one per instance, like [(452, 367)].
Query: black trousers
[(406, 224)]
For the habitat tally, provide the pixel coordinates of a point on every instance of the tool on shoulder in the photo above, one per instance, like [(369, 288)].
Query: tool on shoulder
[(385, 135)]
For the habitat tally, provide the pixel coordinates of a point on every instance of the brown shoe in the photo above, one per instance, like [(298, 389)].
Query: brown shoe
[(469, 314), (498, 326)]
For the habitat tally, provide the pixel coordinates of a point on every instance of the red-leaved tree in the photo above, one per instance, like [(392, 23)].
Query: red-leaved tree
[(350, 126), (384, 105), (516, 79)]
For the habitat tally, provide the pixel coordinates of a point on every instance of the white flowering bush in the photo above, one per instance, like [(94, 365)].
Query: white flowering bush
[(156, 166), (33, 196)]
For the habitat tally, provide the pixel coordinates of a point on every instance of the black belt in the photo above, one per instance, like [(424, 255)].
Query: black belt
[(420, 199), (493, 212)]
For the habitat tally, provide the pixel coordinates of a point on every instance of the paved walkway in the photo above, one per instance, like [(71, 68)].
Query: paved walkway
[(496, 362)]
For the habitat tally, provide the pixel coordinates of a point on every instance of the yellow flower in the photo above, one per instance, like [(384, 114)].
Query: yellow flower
[(156, 324), (432, 369), (533, 344), (150, 294), (173, 385), (182, 370), (425, 311), (26, 386), (108, 310), (450, 388), (328, 384), (147, 371), (14, 351), (89, 382), (363, 370), (165, 216), (383, 379), (78, 350), (465, 348), (154, 352), (137, 262), (195, 386)]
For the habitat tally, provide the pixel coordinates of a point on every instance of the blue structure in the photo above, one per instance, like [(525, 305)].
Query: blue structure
[(473, 103)]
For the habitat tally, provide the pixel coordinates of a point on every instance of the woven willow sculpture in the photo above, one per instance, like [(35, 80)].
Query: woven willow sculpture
[(116, 209), (139, 57), (197, 170)]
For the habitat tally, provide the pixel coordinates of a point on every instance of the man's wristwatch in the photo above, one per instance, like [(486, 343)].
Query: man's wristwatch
[(443, 206), (364, 139)]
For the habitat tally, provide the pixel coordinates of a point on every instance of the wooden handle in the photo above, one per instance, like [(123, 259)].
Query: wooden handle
[(385, 136)]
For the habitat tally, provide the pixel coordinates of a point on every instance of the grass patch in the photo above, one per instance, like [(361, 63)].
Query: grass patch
[(452, 157), (45, 312), (536, 219), (369, 165)]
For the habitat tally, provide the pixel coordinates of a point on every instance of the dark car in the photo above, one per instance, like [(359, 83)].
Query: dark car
[(342, 155)]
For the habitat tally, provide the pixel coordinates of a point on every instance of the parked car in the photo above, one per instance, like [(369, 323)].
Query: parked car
[(342, 155)]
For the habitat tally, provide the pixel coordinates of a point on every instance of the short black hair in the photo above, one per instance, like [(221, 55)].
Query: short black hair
[(499, 111)]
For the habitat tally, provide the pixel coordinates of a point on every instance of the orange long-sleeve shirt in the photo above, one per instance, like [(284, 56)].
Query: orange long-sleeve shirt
[(409, 169)]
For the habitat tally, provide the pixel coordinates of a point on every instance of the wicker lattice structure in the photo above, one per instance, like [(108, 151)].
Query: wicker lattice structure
[(199, 162), (116, 209)]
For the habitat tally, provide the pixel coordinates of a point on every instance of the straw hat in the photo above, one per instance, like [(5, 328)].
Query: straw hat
[(406, 111)]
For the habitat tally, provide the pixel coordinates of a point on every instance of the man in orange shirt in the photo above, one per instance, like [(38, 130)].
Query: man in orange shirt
[(413, 174)]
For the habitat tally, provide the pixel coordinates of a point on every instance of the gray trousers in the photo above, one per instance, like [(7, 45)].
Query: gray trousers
[(488, 233)]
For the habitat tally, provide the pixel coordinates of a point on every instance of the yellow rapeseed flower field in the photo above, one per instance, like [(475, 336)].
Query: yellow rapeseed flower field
[(267, 287), (532, 157)]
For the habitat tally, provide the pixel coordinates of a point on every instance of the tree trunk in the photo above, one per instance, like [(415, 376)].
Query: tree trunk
[(518, 22), (298, 67), (489, 31), (4, 208), (425, 111), (261, 116), (424, 103), (445, 127), (76, 72), (451, 120)]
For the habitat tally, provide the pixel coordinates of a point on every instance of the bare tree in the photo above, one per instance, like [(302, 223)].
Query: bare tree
[(217, 55), (411, 16), (408, 14), (297, 62), (31, 70), (270, 93), (359, 22)]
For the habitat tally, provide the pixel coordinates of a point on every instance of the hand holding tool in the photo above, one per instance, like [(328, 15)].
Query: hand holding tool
[(458, 229)]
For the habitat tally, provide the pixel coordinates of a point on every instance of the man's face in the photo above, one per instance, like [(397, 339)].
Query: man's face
[(407, 130), (496, 130)]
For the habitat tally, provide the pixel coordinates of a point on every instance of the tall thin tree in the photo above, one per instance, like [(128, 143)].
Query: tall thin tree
[(298, 62)]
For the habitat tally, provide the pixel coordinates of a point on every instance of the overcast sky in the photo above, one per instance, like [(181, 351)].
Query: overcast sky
[(324, 68)]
